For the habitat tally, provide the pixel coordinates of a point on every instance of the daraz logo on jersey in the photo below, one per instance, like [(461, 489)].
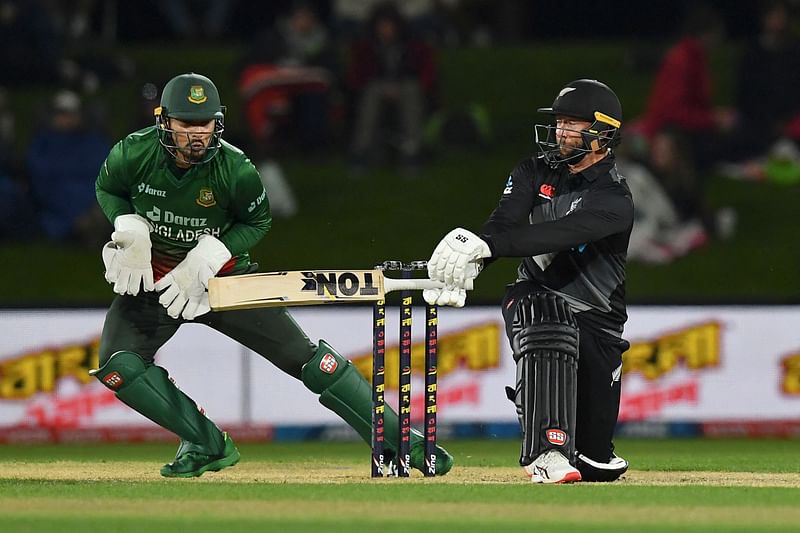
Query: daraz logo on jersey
[(168, 217), (147, 189)]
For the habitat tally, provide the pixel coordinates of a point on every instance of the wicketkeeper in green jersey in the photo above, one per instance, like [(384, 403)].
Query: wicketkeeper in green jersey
[(186, 206)]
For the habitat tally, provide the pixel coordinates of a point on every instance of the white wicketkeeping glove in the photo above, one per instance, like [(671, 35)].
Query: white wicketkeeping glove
[(450, 262), (453, 296), (128, 265), (185, 286), (109, 255)]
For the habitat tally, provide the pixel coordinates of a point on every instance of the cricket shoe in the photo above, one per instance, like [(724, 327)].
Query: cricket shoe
[(193, 463), (552, 467), (596, 471), (444, 461)]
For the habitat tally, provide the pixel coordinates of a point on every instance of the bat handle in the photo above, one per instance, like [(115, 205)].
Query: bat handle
[(391, 284)]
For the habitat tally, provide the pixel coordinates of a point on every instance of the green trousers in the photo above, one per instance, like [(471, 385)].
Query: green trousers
[(138, 326), (141, 325)]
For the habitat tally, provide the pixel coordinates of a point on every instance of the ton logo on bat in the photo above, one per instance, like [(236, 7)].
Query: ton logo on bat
[(341, 284)]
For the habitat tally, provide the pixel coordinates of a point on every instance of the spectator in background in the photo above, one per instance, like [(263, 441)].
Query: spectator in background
[(768, 80), (392, 76), (51, 42), (196, 18), (659, 234), (683, 130), (768, 96), (427, 18), (286, 82), (16, 212), (71, 18), (62, 162), (30, 50)]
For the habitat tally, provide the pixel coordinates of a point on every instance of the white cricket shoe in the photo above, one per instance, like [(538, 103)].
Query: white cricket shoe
[(552, 467)]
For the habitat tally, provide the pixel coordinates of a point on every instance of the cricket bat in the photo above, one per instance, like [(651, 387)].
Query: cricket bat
[(313, 287)]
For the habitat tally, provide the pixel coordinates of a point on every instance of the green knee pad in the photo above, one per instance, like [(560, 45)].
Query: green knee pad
[(345, 392), (148, 390)]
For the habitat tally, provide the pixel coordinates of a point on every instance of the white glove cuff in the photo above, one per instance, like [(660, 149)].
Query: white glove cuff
[(212, 250), (134, 223)]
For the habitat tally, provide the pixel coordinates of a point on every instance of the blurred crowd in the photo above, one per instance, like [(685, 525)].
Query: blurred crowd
[(361, 78), (684, 137)]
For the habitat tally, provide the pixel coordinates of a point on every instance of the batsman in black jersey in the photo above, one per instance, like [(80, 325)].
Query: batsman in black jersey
[(568, 213)]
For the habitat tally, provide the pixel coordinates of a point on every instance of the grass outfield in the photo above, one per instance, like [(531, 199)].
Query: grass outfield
[(718, 485)]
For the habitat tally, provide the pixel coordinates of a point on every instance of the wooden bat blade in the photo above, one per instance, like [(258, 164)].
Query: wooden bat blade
[(279, 289)]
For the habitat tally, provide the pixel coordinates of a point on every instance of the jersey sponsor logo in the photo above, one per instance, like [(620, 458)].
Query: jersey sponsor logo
[(547, 191), (206, 198), (328, 364), (509, 186), (147, 189), (113, 380), (197, 94), (257, 202), (343, 284), (168, 217), (556, 437)]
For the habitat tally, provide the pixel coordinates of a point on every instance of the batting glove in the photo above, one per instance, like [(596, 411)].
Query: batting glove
[(455, 297), (185, 286), (458, 257), (128, 265)]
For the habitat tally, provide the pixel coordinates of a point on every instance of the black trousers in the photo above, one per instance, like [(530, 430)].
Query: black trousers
[(140, 324), (599, 373)]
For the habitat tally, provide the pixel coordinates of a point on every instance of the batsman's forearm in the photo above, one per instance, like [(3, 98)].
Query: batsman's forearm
[(563, 234)]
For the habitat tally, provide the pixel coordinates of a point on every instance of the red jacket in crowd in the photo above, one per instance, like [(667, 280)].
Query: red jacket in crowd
[(681, 93)]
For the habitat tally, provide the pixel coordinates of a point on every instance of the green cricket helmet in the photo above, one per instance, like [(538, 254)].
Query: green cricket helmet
[(190, 98), (588, 100)]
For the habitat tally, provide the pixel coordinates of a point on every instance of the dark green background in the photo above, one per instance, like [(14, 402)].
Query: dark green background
[(347, 223)]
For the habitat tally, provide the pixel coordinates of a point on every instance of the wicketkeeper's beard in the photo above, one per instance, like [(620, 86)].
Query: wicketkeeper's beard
[(194, 152)]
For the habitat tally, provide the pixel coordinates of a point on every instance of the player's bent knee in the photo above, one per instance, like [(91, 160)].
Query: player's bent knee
[(596, 471), (544, 321), (334, 378), (324, 369), (121, 369), (340, 387)]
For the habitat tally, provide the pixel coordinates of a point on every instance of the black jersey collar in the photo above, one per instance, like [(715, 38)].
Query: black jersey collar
[(598, 169)]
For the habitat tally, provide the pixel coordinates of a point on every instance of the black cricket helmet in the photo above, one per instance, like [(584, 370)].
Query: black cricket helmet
[(191, 98), (588, 100)]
